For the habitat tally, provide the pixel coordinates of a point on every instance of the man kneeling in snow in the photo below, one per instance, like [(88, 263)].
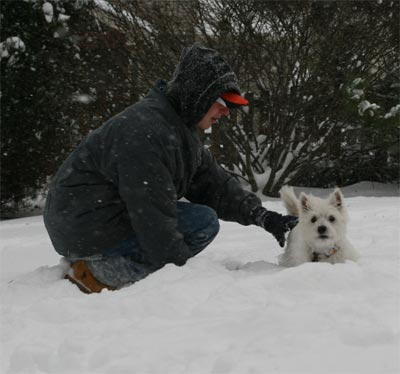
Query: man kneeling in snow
[(112, 209)]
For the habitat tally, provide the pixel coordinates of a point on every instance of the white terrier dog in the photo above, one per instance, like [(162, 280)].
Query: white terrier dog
[(320, 235)]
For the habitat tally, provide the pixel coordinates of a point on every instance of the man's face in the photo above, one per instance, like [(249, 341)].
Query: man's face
[(216, 111)]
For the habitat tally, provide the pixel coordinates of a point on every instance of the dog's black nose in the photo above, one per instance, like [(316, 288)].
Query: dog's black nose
[(321, 229)]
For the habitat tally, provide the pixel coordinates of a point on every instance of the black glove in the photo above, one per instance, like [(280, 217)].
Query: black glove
[(275, 223)]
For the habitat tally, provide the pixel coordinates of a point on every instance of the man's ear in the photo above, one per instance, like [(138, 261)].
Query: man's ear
[(336, 199), (304, 202)]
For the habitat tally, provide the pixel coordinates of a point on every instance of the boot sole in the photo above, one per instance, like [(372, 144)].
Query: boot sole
[(80, 285)]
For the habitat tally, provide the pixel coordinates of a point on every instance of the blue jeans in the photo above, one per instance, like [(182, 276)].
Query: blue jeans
[(124, 263)]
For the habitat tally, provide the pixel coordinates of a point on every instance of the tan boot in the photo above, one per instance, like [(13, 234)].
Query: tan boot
[(80, 274)]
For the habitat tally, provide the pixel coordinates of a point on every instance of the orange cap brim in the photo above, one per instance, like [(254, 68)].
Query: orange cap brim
[(234, 98)]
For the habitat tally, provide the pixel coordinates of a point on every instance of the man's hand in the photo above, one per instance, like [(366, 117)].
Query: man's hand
[(275, 223)]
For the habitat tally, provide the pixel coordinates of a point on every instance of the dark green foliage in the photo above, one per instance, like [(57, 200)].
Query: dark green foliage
[(70, 77)]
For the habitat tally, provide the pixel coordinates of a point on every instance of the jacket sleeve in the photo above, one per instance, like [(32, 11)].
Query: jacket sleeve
[(215, 187), (145, 185)]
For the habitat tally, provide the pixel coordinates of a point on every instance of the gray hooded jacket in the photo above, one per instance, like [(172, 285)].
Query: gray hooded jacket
[(128, 174)]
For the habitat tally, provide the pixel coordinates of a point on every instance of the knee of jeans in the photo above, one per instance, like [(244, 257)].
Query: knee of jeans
[(211, 221)]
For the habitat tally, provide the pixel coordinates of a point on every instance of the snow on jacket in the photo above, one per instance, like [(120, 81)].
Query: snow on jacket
[(128, 174)]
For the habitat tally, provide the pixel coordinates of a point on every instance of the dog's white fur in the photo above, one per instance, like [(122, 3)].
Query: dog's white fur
[(320, 235)]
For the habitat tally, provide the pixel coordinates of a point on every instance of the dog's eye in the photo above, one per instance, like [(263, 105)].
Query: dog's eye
[(314, 219), (332, 219)]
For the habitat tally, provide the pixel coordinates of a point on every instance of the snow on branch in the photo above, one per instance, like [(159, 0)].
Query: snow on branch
[(10, 48), (48, 12)]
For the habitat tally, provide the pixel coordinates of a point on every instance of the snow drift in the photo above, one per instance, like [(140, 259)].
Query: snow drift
[(231, 309)]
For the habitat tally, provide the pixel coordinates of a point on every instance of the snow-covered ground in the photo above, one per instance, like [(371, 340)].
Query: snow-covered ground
[(229, 310)]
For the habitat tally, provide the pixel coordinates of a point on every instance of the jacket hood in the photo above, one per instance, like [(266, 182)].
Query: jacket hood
[(200, 77)]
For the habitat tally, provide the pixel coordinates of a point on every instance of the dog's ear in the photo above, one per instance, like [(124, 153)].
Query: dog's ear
[(336, 199), (304, 202)]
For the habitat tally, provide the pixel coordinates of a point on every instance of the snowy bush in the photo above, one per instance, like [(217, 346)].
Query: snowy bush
[(49, 97)]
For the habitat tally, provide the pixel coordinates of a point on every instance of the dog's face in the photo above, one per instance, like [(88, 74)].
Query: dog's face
[(322, 221)]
